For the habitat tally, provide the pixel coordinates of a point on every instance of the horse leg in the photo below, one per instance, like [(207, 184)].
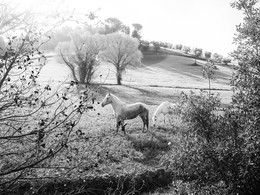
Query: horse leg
[(145, 119), (147, 122), (123, 126), (118, 122)]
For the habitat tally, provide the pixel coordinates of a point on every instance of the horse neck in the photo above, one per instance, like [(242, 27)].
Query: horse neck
[(116, 102), (157, 111)]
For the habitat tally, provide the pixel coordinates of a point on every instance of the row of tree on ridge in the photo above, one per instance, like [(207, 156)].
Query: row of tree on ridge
[(112, 42)]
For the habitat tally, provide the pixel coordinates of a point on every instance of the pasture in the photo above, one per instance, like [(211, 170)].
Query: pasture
[(161, 78)]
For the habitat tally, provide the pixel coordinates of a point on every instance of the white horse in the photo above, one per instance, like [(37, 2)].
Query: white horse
[(125, 111), (165, 108)]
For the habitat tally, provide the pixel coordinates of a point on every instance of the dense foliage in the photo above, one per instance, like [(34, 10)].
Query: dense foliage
[(220, 145)]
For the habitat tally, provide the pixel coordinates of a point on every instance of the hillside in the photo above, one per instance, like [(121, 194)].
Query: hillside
[(160, 77), (163, 77)]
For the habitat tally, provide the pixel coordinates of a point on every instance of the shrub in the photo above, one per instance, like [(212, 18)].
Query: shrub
[(215, 147)]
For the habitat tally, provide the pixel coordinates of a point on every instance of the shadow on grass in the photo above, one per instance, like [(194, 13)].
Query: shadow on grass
[(195, 64), (150, 59), (151, 146)]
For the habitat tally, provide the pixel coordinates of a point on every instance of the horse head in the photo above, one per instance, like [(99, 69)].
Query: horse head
[(107, 100)]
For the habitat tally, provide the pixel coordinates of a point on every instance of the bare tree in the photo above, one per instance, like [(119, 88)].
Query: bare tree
[(36, 122), (81, 55), (122, 50)]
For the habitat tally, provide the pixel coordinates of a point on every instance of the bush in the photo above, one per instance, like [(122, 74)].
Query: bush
[(215, 147)]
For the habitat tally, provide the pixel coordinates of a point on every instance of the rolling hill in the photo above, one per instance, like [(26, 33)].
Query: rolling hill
[(160, 77)]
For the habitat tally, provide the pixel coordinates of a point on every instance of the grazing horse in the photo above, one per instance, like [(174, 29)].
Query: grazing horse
[(165, 108), (125, 111)]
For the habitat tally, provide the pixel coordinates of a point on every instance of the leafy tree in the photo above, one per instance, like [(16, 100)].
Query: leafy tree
[(113, 25), (217, 57), (246, 84), (186, 49), (209, 70), (137, 31), (156, 46), (226, 60), (179, 46), (36, 122), (137, 26), (81, 55), (197, 54), (207, 54), (121, 51), (144, 45)]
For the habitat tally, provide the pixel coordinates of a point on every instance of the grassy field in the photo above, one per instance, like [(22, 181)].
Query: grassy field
[(161, 77)]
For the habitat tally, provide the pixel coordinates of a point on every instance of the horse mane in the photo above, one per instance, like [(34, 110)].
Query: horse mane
[(158, 110), (117, 98)]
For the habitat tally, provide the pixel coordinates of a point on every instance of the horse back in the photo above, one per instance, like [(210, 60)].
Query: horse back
[(130, 111)]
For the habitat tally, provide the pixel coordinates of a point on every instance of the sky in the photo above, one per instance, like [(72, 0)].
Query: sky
[(206, 24)]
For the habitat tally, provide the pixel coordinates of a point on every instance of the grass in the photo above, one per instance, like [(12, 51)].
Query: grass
[(161, 77)]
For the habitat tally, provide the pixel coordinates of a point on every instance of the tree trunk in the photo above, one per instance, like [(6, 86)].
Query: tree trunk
[(82, 72), (119, 77), (209, 87)]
